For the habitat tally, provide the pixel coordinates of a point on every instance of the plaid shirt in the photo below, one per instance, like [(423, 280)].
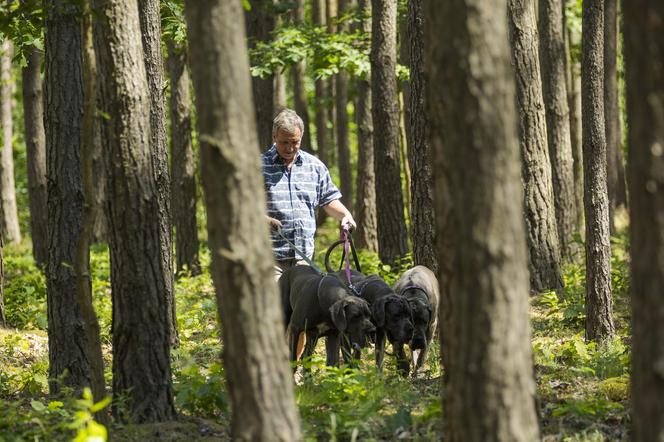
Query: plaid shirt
[(292, 198)]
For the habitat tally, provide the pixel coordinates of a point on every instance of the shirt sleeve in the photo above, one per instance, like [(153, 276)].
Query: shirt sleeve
[(327, 191)]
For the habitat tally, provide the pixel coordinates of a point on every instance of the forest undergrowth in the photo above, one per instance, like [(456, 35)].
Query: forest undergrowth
[(582, 390)]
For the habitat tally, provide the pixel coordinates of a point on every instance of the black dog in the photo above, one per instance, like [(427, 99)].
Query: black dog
[(420, 286), (391, 315), (321, 305)]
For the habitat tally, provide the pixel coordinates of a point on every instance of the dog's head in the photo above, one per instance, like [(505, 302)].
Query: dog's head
[(422, 317), (393, 313), (351, 316)]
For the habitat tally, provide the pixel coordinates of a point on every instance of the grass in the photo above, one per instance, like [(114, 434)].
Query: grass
[(582, 389)]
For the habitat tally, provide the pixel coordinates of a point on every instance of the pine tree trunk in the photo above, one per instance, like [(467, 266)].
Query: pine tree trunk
[(3, 316), (644, 56), (82, 258), (343, 140), (541, 227), (574, 104), (554, 60), (33, 115), (67, 343), (599, 323), (255, 358), (615, 168), (279, 99), (150, 19), (318, 14), (141, 315), (183, 167), (422, 216), (331, 22), (392, 232), (480, 228), (261, 21), (8, 210), (366, 235), (298, 71)]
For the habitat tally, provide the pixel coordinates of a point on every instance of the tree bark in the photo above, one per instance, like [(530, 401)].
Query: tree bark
[(33, 115), (141, 315), (183, 167), (322, 138), (255, 358), (298, 71), (82, 258), (392, 231), (541, 227), (615, 168), (67, 342), (422, 215), (599, 323), (480, 227), (644, 55), (554, 61), (343, 140), (150, 19), (331, 22), (3, 316), (260, 22), (8, 210), (366, 235)]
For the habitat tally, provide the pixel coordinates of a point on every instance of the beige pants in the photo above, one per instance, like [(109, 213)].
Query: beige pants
[(282, 265)]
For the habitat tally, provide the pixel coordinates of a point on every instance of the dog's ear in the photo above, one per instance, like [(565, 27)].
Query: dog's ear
[(338, 313), (378, 311)]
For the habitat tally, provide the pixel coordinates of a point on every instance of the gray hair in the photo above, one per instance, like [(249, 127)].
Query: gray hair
[(287, 120)]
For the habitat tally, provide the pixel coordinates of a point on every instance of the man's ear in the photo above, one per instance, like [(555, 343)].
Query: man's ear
[(378, 311), (338, 313)]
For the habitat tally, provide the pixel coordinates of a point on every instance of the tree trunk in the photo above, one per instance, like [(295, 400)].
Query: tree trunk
[(183, 167), (318, 13), (615, 168), (260, 22), (141, 315), (150, 20), (82, 265), (365, 203), (8, 211), (644, 55), (298, 71), (574, 104), (554, 60), (331, 21), (99, 197), (480, 227), (255, 358), (3, 317), (599, 323), (33, 115), (392, 232), (343, 146), (541, 228), (279, 99), (67, 343), (422, 216)]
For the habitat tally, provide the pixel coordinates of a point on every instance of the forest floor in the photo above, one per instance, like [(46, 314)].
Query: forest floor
[(582, 390)]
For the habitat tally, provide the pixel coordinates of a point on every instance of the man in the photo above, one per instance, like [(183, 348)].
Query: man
[(296, 183)]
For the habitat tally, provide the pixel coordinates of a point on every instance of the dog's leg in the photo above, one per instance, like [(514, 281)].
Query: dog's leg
[(422, 357), (332, 349), (403, 364), (292, 341), (380, 349)]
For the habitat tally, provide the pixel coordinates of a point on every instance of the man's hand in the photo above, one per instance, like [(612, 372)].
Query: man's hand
[(348, 223), (274, 223)]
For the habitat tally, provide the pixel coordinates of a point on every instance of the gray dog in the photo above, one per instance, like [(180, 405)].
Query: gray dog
[(391, 315), (321, 305), (420, 286)]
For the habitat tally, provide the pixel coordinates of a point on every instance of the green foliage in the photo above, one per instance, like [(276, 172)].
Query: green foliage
[(34, 420), (173, 23), (22, 21), (25, 292), (201, 391)]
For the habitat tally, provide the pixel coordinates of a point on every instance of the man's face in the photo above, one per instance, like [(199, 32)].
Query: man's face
[(288, 144)]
